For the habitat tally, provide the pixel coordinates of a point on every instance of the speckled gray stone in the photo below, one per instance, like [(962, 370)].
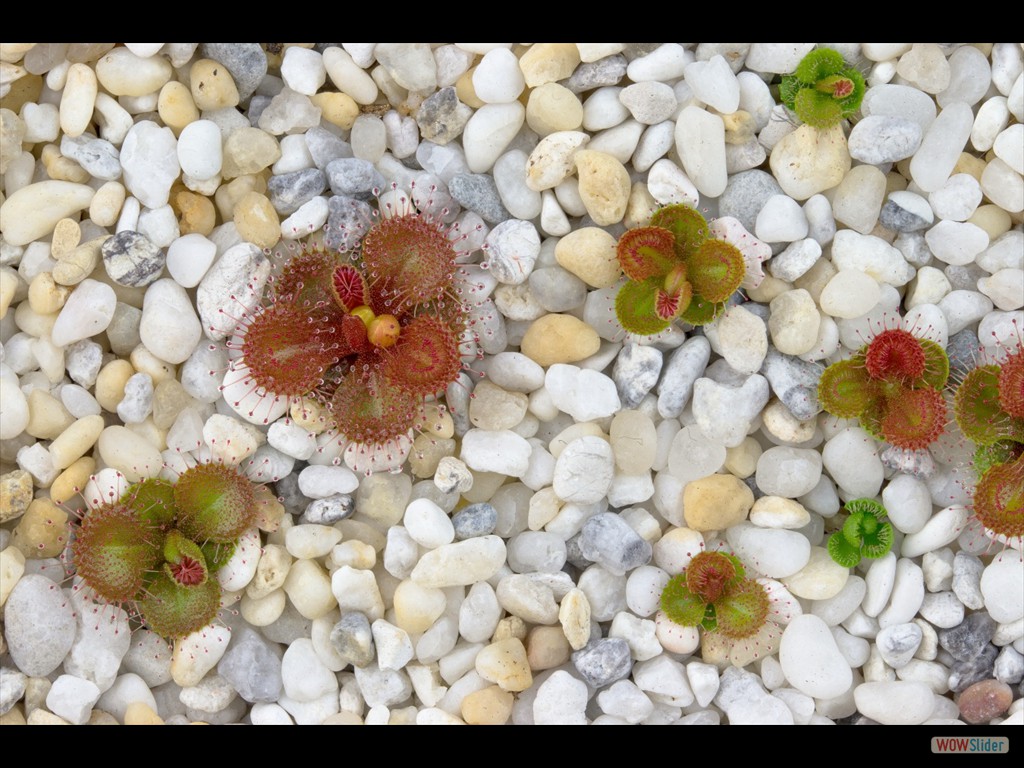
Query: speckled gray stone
[(794, 381), (683, 368), (964, 674), (608, 539), (635, 372), (289, 191), (131, 259), (479, 193), (475, 520), (253, 666), (968, 639), (39, 624), (603, 661), (353, 640), (442, 117), (330, 510), (745, 196), (596, 74), (324, 146), (353, 177), (963, 352), (247, 63), (347, 221)]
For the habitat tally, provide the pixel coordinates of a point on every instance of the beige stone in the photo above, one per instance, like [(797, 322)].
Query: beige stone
[(716, 502), (15, 494), (546, 648), (590, 254), (14, 717), (42, 531), (212, 85), (779, 512), (72, 480), (466, 92), (505, 663), (574, 617), (427, 452), (603, 185), (269, 511), (248, 150), (110, 383), (43, 717), (559, 338), (820, 579), (257, 221), (80, 263), (48, 417), (130, 453), (740, 127), (417, 607), (510, 627), (784, 426), (78, 99), (229, 195), (45, 296), (794, 322), (12, 566), (62, 168), (10, 283), (144, 361), (993, 219), (490, 706), (33, 211), (140, 713), (67, 234), (810, 160), (339, 109), (495, 408), (548, 62), (552, 107), (196, 213), (176, 106)]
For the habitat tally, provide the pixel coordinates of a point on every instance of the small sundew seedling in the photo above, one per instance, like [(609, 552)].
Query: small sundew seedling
[(156, 548), (714, 593), (675, 270), (989, 408), (864, 534), (893, 385), (369, 334), (823, 89)]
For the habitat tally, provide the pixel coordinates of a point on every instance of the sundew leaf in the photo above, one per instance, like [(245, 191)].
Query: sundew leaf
[(646, 252), (636, 307)]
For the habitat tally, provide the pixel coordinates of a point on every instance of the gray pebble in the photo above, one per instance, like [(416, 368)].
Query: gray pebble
[(123, 331), (290, 626), (289, 191), (39, 624), (795, 260), (233, 712), (574, 552), (330, 510), (97, 156), (137, 402), (479, 193), (635, 372), (12, 688), (595, 74), (894, 216), (879, 139), (131, 259), (246, 62), (475, 520), (556, 289), (287, 491), (968, 639), (964, 277), (442, 117), (607, 539), (257, 106), (683, 368), (347, 221), (203, 372), (603, 661), (914, 248), (427, 489), (964, 674), (324, 146), (1009, 666), (794, 381), (898, 643), (963, 353), (83, 360), (353, 177), (745, 196), (252, 666), (353, 640), (967, 580)]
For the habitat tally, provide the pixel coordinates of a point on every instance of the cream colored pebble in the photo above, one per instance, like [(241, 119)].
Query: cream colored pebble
[(74, 267), (106, 205), (78, 99), (66, 237), (46, 296), (72, 480), (48, 417), (74, 441), (134, 456)]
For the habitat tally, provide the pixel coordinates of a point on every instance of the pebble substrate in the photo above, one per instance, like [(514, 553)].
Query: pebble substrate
[(512, 571)]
